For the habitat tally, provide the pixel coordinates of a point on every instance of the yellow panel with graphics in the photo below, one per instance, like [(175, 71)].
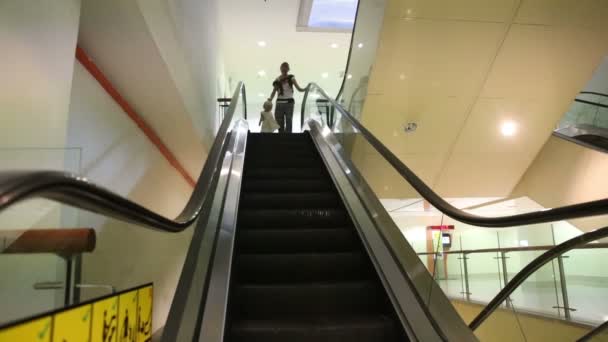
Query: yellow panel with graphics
[(127, 317), (105, 320), (73, 324), (38, 330), (144, 314), (123, 317)]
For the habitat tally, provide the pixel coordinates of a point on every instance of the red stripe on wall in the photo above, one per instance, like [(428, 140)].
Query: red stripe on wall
[(84, 59)]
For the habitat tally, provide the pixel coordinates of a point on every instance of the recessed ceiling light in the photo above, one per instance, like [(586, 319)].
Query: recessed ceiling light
[(508, 128), (360, 45), (261, 94), (349, 76), (261, 73), (261, 43), (325, 75), (334, 45)]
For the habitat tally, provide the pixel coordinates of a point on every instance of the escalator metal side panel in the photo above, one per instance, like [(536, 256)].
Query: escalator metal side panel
[(182, 321), (215, 305), (392, 256)]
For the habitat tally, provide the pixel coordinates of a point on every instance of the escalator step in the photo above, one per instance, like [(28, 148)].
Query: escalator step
[(298, 240), (285, 173), (361, 328), (263, 200), (271, 185), (286, 161), (283, 300), (304, 267), (297, 218)]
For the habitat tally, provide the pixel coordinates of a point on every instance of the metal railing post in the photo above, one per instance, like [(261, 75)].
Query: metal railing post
[(564, 287), (467, 292)]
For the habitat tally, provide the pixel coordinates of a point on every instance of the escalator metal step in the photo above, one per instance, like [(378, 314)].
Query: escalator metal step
[(292, 200), (282, 300), (360, 328), (295, 218), (292, 240), (287, 185), (302, 267), (291, 173)]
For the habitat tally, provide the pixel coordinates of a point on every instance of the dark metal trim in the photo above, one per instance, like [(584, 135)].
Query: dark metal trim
[(70, 189), (579, 142), (585, 209), (532, 267)]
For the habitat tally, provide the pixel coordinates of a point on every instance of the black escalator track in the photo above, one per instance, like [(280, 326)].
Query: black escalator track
[(300, 271)]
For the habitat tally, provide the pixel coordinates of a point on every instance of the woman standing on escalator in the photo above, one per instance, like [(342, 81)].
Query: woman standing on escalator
[(283, 85)]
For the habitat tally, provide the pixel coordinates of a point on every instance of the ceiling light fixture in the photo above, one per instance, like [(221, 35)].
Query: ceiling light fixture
[(261, 94), (508, 128), (360, 45), (349, 76), (334, 45), (261, 73), (261, 43), (325, 75)]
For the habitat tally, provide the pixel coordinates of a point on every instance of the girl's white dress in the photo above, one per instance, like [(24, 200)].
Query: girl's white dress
[(269, 124)]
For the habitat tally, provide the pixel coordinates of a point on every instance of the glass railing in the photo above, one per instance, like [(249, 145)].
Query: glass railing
[(24, 264), (54, 255), (471, 264), (587, 120)]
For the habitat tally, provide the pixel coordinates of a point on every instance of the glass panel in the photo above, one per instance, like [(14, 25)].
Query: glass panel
[(493, 256), (22, 271), (484, 276), (586, 277)]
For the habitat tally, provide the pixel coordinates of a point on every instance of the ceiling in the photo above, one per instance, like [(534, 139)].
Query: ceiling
[(461, 71), (310, 54)]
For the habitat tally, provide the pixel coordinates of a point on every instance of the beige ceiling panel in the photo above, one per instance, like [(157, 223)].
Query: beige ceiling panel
[(481, 175), (545, 62), (477, 10), (441, 57), (436, 117), (534, 120), (579, 13), (386, 182)]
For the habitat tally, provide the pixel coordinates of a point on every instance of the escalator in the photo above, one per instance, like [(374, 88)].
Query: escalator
[(300, 270), (290, 243)]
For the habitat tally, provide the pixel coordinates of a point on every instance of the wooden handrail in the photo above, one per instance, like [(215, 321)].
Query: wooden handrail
[(64, 242)]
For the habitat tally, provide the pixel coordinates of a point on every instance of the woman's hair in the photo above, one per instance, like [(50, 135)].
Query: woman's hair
[(285, 64)]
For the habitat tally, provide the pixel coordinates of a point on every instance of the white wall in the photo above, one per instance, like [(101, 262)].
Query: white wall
[(116, 154), (37, 42)]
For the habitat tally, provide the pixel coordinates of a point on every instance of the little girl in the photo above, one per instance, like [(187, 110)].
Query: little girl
[(269, 124)]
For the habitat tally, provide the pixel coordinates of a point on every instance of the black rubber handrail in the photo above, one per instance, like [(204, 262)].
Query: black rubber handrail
[(591, 103), (532, 267), (591, 208), (76, 191), (593, 93)]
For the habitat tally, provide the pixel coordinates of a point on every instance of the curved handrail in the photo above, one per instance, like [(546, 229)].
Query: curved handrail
[(591, 103), (76, 191), (591, 208), (593, 93), (532, 267)]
